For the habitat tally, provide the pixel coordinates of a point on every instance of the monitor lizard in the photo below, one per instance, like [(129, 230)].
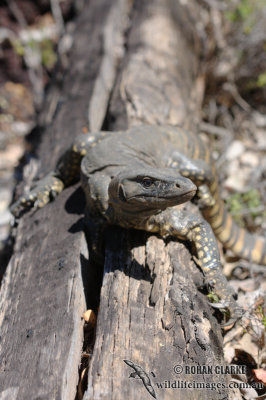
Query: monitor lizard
[(137, 178)]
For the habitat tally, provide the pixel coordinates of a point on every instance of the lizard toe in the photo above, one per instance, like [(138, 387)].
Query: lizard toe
[(219, 306), (23, 203), (42, 201)]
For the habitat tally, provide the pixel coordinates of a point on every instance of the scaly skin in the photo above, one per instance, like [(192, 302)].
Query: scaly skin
[(136, 178)]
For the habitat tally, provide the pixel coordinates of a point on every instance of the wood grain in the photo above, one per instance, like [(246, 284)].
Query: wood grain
[(151, 312)]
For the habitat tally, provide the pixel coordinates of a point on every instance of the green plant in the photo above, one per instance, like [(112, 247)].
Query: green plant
[(240, 204), (245, 13), (18, 47), (262, 316), (261, 81), (48, 54)]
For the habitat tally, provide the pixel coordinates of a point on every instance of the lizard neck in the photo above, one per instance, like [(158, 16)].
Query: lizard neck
[(129, 218)]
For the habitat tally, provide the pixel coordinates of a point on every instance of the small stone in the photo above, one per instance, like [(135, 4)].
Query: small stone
[(260, 135), (4, 234), (5, 217), (21, 128), (237, 182), (235, 150), (249, 158), (260, 120), (5, 198), (232, 167)]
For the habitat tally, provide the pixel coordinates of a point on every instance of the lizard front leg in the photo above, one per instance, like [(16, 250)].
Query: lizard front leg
[(199, 172), (195, 169), (173, 222), (40, 194), (66, 173)]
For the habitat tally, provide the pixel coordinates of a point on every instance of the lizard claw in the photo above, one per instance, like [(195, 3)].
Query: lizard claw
[(219, 306), (23, 203), (235, 313), (229, 324), (42, 192)]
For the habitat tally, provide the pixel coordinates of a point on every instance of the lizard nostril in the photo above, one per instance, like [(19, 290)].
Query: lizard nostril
[(177, 185)]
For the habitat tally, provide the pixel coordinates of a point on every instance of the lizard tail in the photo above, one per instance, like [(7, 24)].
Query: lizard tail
[(241, 242)]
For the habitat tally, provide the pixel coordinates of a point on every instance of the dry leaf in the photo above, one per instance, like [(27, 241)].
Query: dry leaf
[(90, 318), (248, 392), (260, 375)]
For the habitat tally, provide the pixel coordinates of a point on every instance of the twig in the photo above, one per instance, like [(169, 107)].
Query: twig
[(35, 71), (214, 3), (215, 130), (17, 13), (58, 17), (216, 19), (231, 88), (226, 134)]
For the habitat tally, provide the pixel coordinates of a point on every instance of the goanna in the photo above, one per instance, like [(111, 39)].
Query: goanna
[(136, 179)]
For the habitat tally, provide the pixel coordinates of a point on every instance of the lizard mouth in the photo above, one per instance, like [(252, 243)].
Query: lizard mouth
[(189, 193)]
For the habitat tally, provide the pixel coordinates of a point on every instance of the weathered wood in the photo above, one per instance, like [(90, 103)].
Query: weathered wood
[(151, 312), (42, 295)]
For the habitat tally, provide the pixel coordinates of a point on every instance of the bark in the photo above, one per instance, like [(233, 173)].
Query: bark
[(151, 312)]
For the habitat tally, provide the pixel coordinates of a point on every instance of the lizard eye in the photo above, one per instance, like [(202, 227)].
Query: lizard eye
[(147, 182)]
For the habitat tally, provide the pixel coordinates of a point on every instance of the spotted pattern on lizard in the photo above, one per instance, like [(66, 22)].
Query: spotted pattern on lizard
[(137, 178)]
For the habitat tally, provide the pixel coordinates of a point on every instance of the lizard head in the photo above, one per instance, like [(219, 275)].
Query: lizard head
[(150, 188)]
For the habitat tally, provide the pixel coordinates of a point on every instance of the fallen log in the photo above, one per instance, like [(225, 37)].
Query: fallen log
[(153, 323)]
